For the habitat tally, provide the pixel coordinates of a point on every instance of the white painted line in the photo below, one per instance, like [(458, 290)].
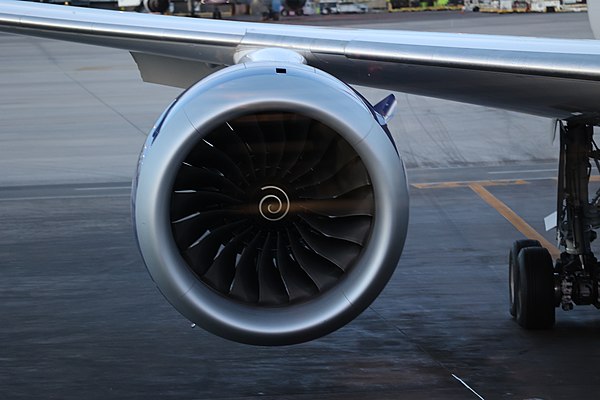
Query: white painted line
[(467, 386), (507, 180), (104, 188), (540, 178), (92, 196), (524, 171)]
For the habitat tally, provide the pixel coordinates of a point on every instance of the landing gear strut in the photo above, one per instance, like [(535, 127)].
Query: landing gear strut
[(537, 286)]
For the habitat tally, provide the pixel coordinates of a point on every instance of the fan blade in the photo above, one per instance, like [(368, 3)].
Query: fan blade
[(350, 177), (298, 283), (320, 270), (319, 138), (296, 130), (339, 252), (207, 156), (271, 287), (357, 202), (193, 178), (221, 273), (353, 229), (200, 254), (274, 132), (228, 139), (248, 128), (184, 204), (187, 231), (245, 282), (338, 156)]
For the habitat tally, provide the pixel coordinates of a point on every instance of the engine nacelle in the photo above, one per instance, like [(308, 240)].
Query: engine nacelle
[(270, 205)]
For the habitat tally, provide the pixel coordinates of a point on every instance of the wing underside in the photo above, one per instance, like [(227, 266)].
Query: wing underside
[(548, 77)]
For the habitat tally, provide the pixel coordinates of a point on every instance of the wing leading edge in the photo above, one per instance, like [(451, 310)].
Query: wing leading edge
[(549, 77)]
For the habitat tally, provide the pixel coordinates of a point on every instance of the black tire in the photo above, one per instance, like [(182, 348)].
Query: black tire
[(535, 290), (157, 6), (513, 270)]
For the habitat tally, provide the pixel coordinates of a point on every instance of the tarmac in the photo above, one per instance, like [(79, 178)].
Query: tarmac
[(81, 318)]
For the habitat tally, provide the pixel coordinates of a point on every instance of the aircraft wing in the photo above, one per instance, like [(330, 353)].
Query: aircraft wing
[(548, 77)]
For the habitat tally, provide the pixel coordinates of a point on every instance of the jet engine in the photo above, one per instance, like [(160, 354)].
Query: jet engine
[(270, 204)]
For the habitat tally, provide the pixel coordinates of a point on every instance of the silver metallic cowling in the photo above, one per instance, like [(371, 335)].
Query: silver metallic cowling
[(270, 206)]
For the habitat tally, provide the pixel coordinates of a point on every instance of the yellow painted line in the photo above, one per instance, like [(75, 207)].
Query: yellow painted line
[(446, 185), (513, 218)]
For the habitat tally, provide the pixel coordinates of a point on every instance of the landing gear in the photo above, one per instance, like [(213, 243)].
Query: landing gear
[(536, 286)]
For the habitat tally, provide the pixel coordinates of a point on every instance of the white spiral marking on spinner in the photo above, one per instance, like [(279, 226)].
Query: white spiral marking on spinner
[(278, 206)]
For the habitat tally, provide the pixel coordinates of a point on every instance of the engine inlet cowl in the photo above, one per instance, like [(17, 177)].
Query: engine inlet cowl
[(270, 206)]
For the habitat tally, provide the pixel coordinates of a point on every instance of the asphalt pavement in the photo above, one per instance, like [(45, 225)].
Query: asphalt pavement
[(81, 318)]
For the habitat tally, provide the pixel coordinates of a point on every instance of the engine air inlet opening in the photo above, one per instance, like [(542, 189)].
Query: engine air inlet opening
[(271, 208)]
